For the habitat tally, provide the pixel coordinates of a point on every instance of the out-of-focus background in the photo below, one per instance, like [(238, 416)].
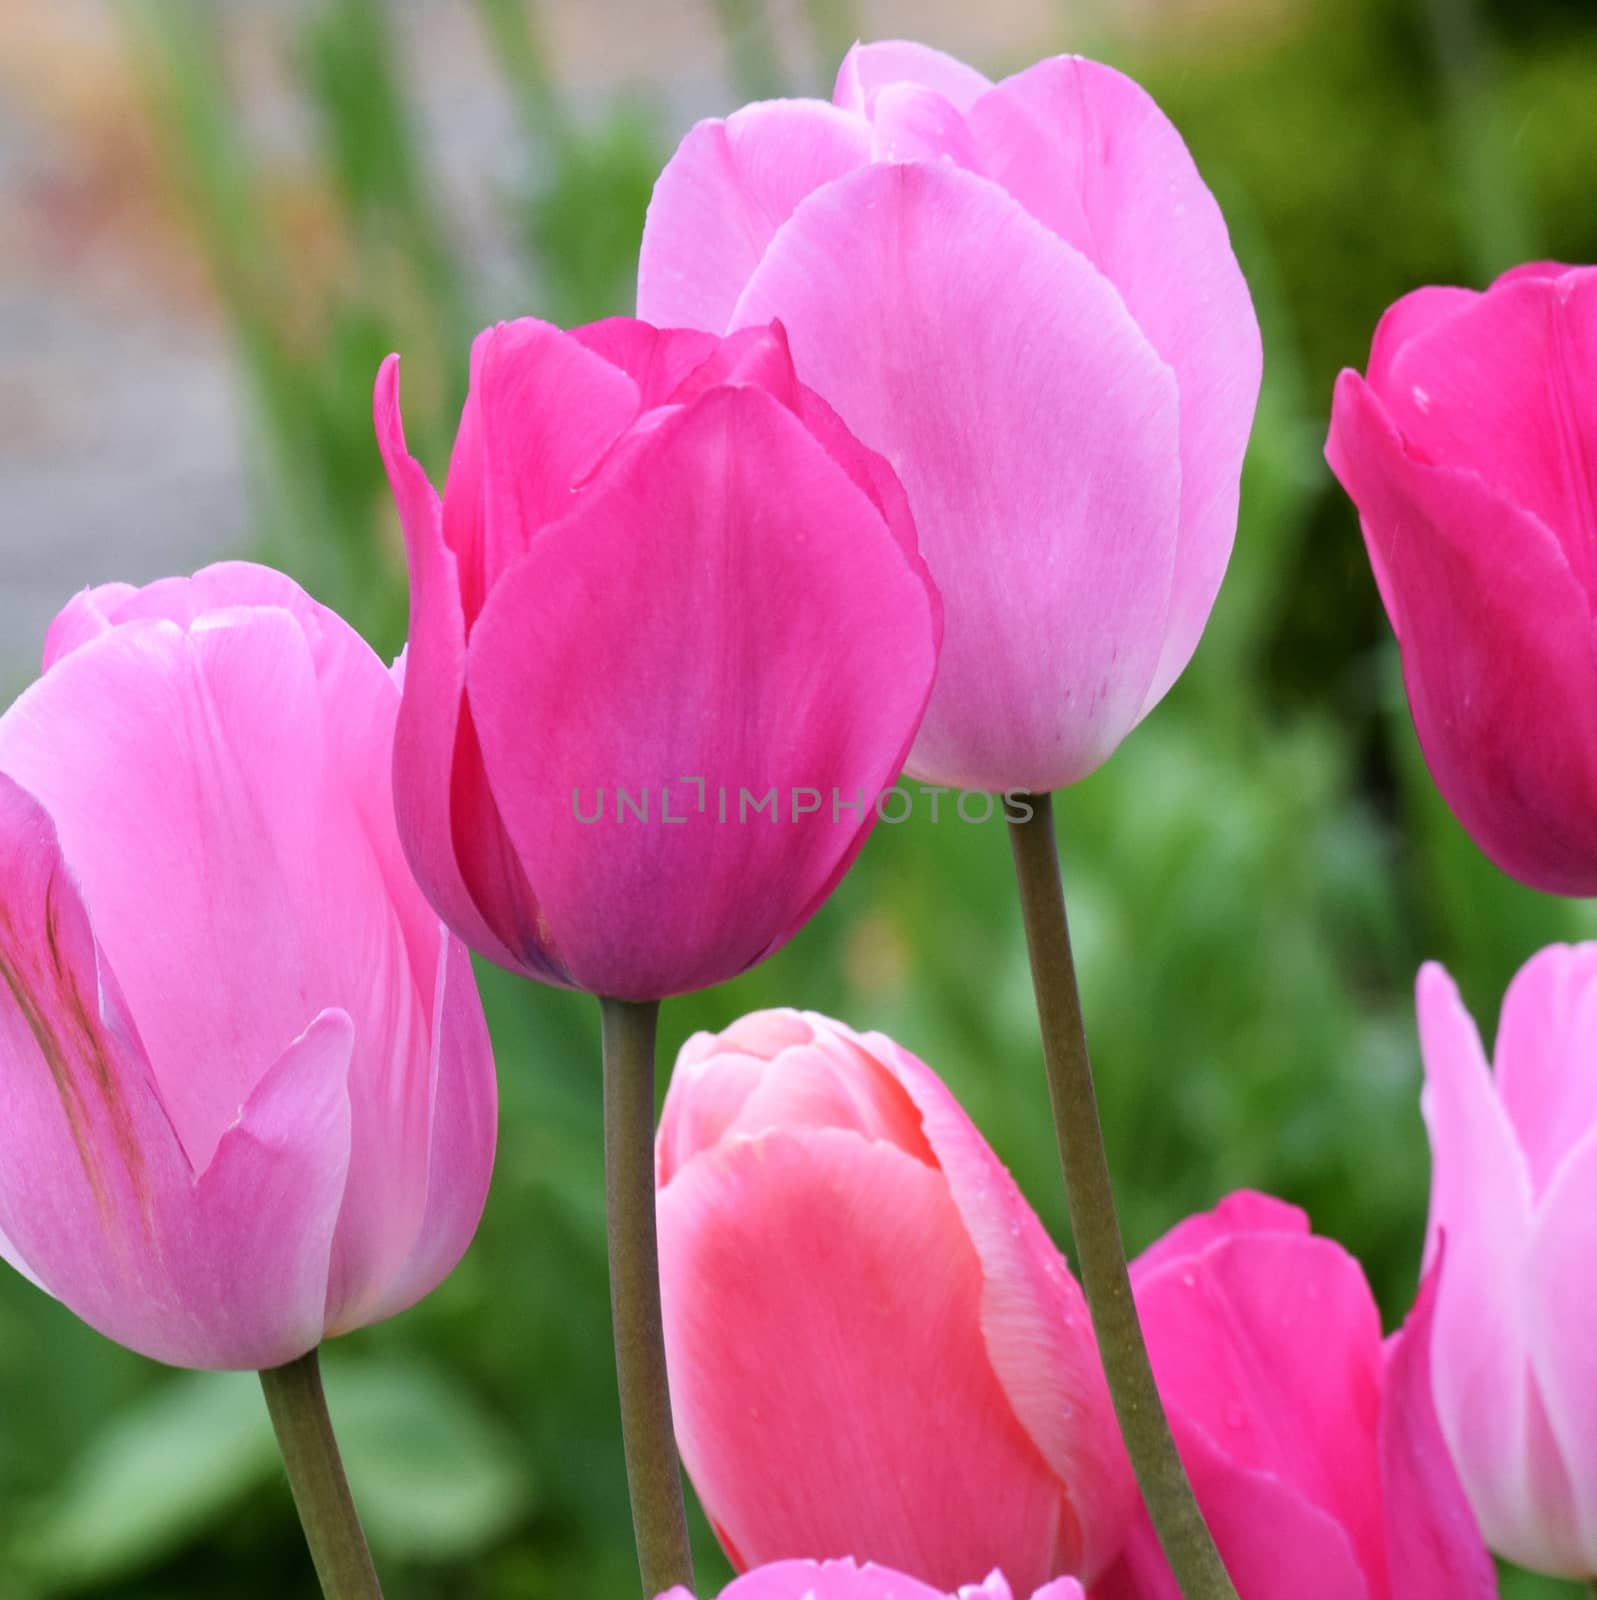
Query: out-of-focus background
[(215, 219)]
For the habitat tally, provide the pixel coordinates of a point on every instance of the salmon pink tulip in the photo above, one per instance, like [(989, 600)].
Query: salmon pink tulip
[(248, 1089), (1314, 1451), (670, 637), (1024, 296), (1514, 1207), (875, 1350), (843, 1580), (1470, 450)]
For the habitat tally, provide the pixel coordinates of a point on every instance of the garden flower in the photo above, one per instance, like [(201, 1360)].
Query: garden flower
[(1514, 1205), (875, 1350), (670, 638), (1024, 296), (1470, 450), (249, 1094), (1314, 1452), (843, 1580)]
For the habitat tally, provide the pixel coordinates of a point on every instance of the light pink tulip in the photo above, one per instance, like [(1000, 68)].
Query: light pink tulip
[(248, 1088), (1024, 296), (1514, 1202), (843, 1580), (1470, 450), (1314, 1452), (875, 1350), (660, 566)]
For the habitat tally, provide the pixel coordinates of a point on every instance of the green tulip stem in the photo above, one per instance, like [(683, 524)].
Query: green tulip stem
[(654, 1478), (1183, 1534), (298, 1410)]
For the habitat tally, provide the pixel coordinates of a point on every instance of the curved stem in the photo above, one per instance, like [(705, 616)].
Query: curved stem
[(298, 1409), (1183, 1534), (654, 1478)]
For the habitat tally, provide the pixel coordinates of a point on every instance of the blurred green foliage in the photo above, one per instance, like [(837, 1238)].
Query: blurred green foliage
[(1254, 878)]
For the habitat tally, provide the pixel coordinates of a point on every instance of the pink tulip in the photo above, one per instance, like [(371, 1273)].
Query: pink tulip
[(1315, 1454), (1514, 1197), (670, 636), (874, 1348), (842, 1580), (249, 1095), (1023, 295), (1470, 450)]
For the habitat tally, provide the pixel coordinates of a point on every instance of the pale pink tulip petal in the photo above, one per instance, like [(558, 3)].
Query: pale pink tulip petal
[(1434, 1547), (85, 616), (440, 793), (226, 1270), (1503, 390), (1561, 1313), (1548, 1020), (869, 68), (1481, 1204), (1061, 1589), (626, 708), (1033, 1317), (1007, 323), (1276, 1545), (1090, 155), (1244, 1211), (827, 1580), (731, 184), (1270, 1345), (911, 123), (1437, 535), (817, 1293)]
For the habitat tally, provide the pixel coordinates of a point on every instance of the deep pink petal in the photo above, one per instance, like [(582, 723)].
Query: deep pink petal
[(1546, 1040), (437, 805), (1021, 523), (656, 359), (1534, 269), (869, 68), (1504, 389), (1089, 153), (822, 1311), (1434, 1546), (1276, 1545), (1481, 1203), (1415, 313), (825, 674), (227, 1270), (730, 185), (1244, 1212), (1034, 1319), (1270, 1345), (826, 1580), (1461, 571), (1561, 1289)]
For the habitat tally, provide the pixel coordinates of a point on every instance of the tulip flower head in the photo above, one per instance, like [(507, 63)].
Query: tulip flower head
[(874, 1348), (1314, 1452), (1024, 296), (843, 1580), (249, 1093), (1470, 450), (670, 638), (1513, 1206)]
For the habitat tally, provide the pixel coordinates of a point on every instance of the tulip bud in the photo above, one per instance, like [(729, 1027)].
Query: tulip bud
[(1514, 1206), (874, 1348), (842, 1580), (1470, 450), (1314, 1452), (1024, 296), (249, 1093), (670, 638)]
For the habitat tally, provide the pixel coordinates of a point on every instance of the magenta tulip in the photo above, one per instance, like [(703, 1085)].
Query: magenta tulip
[(670, 637), (1024, 296), (1514, 1202), (874, 1348), (249, 1094), (843, 1580), (1470, 450), (1314, 1452)]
